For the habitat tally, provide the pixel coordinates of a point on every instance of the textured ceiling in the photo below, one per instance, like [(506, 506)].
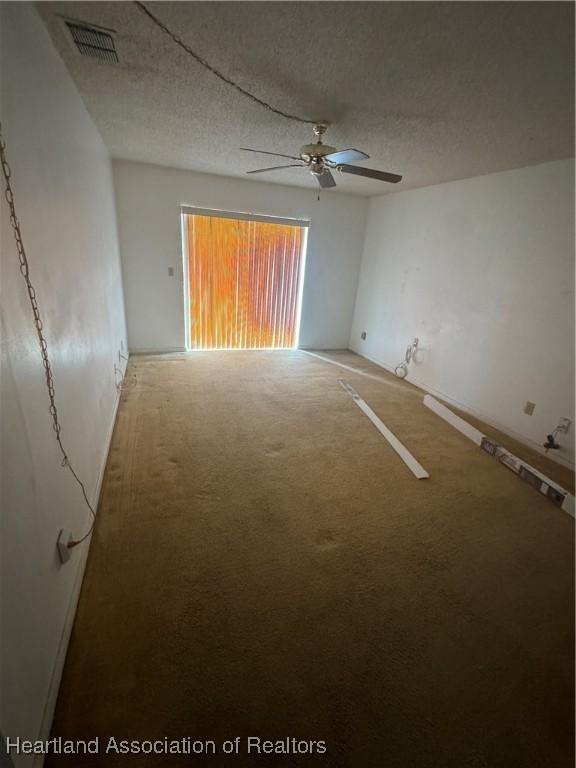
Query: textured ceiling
[(435, 91)]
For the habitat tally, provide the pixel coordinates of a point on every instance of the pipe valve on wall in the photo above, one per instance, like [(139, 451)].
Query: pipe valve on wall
[(551, 442), (401, 369)]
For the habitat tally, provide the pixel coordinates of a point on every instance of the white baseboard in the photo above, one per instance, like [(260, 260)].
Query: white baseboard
[(58, 668), (558, 458), (155, 350)]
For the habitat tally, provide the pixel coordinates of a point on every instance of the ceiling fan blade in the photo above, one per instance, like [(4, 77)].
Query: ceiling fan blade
[(276, 167), (346, 156), (393, 178), (326, 180), (264, 152)]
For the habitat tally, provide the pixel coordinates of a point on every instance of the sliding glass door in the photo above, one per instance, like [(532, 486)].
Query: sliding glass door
[(244, 281)]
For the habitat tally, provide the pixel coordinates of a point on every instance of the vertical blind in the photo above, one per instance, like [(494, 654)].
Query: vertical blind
[(244, 280)]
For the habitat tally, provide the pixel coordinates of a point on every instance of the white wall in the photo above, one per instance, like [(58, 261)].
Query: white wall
[(149, 199), (481, 271), (63, 187)]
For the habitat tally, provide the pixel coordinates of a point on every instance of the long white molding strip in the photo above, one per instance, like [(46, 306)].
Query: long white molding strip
[(557, 495), (462, 426), (343, 365), (421, 386), (416, 468)]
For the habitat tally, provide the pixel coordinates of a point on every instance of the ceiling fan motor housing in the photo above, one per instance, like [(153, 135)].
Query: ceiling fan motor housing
[(316, 150), (312, 154)]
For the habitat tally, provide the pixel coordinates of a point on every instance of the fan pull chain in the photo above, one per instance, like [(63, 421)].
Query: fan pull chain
[(25, 271), (216, 72)]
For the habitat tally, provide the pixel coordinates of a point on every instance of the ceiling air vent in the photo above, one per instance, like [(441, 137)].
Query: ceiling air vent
[(92, 41)]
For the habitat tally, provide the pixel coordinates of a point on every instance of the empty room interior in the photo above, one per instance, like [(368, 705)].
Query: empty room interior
[(287, 384)]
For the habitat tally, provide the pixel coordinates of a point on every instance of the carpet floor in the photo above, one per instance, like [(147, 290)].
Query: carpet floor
[(264, 565)]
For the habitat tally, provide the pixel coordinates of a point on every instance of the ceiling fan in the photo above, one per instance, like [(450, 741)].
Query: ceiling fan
[(321, 159)]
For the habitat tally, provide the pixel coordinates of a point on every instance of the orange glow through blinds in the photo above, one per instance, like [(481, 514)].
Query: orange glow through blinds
[(244, 283)]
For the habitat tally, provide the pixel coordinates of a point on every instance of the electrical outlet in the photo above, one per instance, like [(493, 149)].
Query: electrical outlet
[(529, 408), (63, 544), (363, 335), (564, 425), (171, 271)]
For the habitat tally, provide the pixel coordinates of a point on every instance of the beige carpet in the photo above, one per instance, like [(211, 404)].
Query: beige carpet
[(265, 565)]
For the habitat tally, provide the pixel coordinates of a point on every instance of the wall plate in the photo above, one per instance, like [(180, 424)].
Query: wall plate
[(64, 551)]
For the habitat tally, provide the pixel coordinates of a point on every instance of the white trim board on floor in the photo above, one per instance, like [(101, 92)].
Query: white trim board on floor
[(543, 484), (414, 466), (343, 365), (557, 458), (155, 350)]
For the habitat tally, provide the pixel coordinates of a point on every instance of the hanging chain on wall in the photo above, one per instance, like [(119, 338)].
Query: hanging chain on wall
[(215, 72), (25, 271)]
